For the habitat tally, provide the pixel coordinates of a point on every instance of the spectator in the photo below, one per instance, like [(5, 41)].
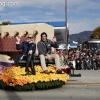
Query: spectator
[(78, 63)]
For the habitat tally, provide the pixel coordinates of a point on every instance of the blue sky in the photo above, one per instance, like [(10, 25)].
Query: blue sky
[(82, 14)]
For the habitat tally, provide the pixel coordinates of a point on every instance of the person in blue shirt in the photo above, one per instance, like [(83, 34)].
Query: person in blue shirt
[(28, 48)]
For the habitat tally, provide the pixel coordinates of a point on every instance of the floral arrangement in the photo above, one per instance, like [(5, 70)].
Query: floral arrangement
[(2, 68), (15, 78), (67, 70)]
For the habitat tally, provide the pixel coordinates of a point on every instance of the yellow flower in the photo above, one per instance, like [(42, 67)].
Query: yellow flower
[(16, 76)]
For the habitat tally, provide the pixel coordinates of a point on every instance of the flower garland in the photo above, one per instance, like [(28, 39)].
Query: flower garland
[(16, 78)]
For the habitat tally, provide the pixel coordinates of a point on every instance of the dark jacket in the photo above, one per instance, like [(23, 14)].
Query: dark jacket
[(45, 48), (25, 47)]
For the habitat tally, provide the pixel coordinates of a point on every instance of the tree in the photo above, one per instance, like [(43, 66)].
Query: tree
[(96, 33), (6, 23)]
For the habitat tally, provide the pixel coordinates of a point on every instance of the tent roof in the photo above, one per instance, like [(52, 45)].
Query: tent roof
[(73, 45)]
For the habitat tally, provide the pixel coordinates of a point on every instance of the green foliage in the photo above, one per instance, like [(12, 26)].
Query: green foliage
[(2, 85), (34, 86), (26, 87), (96, 33), (6, 23), (48, 85)]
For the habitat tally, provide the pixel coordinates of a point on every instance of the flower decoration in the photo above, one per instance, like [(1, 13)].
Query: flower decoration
[(16, 78)]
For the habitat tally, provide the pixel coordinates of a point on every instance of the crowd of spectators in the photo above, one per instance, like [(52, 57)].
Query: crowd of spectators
[(85, 59)]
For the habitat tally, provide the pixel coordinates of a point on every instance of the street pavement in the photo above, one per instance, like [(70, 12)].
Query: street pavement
[(86, 87), (87, 76)]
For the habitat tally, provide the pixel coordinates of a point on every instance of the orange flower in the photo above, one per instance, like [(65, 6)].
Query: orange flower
[(18, 82), (24, 81)]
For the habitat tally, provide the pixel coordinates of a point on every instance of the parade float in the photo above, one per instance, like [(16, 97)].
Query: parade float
[(15, 78)]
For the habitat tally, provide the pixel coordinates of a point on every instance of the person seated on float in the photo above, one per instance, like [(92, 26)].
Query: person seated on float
[(44, 49), (28, 48)]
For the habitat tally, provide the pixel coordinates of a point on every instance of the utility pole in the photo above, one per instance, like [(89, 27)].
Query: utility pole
[(66, 27)]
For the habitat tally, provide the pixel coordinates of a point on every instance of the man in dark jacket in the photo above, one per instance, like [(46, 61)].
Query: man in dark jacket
[(28, 48), (44, 49)]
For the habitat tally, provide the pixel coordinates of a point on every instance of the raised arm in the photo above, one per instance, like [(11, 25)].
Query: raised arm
[(18, 45), (54, 42)]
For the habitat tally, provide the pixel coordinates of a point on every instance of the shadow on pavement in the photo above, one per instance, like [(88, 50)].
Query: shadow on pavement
[(12, 95)]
